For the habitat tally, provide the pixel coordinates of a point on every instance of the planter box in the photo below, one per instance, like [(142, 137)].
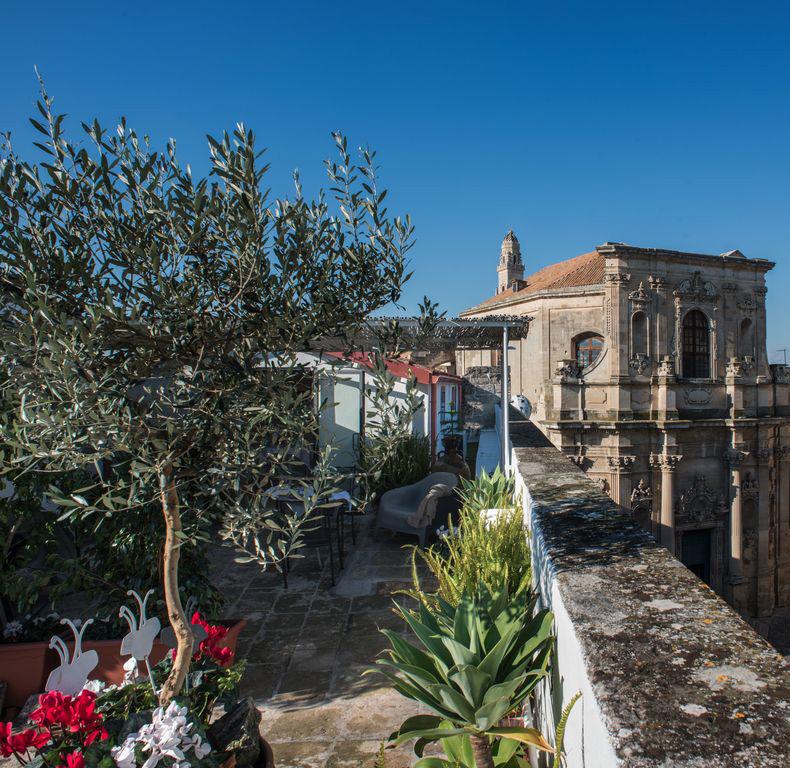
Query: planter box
[(25, 667)]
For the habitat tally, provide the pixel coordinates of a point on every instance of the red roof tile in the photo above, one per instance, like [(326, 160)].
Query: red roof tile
[(587, 269)]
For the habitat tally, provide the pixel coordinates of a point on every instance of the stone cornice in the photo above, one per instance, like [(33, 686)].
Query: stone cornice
[(611, 250)]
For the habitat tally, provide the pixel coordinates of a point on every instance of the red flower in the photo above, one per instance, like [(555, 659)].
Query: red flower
[(20, 743), (211, 646), (75, 714), (74, 760)]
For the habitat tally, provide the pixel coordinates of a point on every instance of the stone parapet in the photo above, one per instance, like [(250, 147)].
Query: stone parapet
[(670, 674)]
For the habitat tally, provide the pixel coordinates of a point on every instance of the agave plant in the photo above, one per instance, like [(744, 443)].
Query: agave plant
[(494, 491), (478, 662)]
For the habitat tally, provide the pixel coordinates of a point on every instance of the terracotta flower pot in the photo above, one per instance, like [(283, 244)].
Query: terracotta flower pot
[(26, 666)]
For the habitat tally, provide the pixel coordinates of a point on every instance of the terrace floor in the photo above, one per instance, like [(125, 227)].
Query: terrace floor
[(307, 648)]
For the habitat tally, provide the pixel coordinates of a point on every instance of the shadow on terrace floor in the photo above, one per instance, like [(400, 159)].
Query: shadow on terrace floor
[(307, 647)]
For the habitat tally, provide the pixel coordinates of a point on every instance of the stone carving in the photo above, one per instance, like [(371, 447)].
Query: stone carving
[(603, 484), (763, 454), (666, 462), (697, 396), (639, 363), (621, 462), (569, 368), (608, 318), (781, 373), (578, 459), (734, 368), (749, 486), (729, 287), (697, 289), (699, 503), (746, 303), (734, 457), (666, 366), (748, 364), (618, 278), (656, 283), (640, 297), (642, 497)]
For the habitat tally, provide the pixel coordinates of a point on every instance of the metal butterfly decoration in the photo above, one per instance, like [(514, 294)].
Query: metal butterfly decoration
[(72, 673), (140, 639)]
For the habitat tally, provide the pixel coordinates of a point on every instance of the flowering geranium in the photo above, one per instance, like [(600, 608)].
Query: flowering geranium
[(169, 736)]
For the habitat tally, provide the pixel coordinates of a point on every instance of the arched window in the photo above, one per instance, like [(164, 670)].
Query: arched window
[(746, 340), (587, 348), (696, 346), (639, 333)]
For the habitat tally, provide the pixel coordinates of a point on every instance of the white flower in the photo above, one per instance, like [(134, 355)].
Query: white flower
[(12, 629), (167, 735), (96, 686), (124, 754)]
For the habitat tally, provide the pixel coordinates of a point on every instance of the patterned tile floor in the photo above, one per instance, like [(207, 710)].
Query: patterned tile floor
[(307, 648)]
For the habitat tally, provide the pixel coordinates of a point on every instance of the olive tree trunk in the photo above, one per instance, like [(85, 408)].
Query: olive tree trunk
[(481, 749), (175, 611)]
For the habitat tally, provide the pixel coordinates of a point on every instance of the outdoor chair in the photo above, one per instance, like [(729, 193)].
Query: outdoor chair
[(399, 508), (290, 501)]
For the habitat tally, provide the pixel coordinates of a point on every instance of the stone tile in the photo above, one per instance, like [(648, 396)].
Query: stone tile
[(261, 680), (302, 754), (308, 648), (306, 724)]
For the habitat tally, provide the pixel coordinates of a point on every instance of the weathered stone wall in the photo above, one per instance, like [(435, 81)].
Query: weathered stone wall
[(670, 674)]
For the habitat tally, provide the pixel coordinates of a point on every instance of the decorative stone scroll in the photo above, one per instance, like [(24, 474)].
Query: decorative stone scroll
[(618, 278), (666, 366), (639, 363), (746, 303), (656, 283), (642, 497), (568, 369), (781, 373), (734, 368), (640, 298), (696, 289), (699, 503)]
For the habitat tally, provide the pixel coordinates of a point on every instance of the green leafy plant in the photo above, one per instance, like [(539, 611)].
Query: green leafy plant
[(494, 491), (475, 664), (478, 551)]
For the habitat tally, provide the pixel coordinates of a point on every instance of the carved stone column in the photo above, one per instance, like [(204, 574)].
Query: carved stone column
[(667, 409), (735, 459), (766, 593), (783, 522), (620, 482), (667, 464)]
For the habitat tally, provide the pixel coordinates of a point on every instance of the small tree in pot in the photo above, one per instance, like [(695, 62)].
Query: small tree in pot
[(152, 321)]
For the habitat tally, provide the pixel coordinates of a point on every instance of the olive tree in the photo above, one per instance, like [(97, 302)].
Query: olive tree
[(153, 318)]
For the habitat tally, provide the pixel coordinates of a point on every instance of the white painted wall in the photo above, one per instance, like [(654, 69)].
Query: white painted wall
[(587, 742)]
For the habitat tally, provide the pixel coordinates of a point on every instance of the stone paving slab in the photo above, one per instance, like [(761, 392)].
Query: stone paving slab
[(308, 646)]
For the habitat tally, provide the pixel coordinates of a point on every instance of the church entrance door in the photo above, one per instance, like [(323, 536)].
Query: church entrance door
[(696, 552)]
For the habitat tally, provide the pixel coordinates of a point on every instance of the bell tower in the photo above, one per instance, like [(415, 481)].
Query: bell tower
[(511, 268)]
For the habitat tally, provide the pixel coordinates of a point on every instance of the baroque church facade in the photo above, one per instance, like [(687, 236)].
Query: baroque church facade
[(649, 369)]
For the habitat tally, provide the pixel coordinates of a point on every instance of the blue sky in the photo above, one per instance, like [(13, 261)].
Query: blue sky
[(658, 124)]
